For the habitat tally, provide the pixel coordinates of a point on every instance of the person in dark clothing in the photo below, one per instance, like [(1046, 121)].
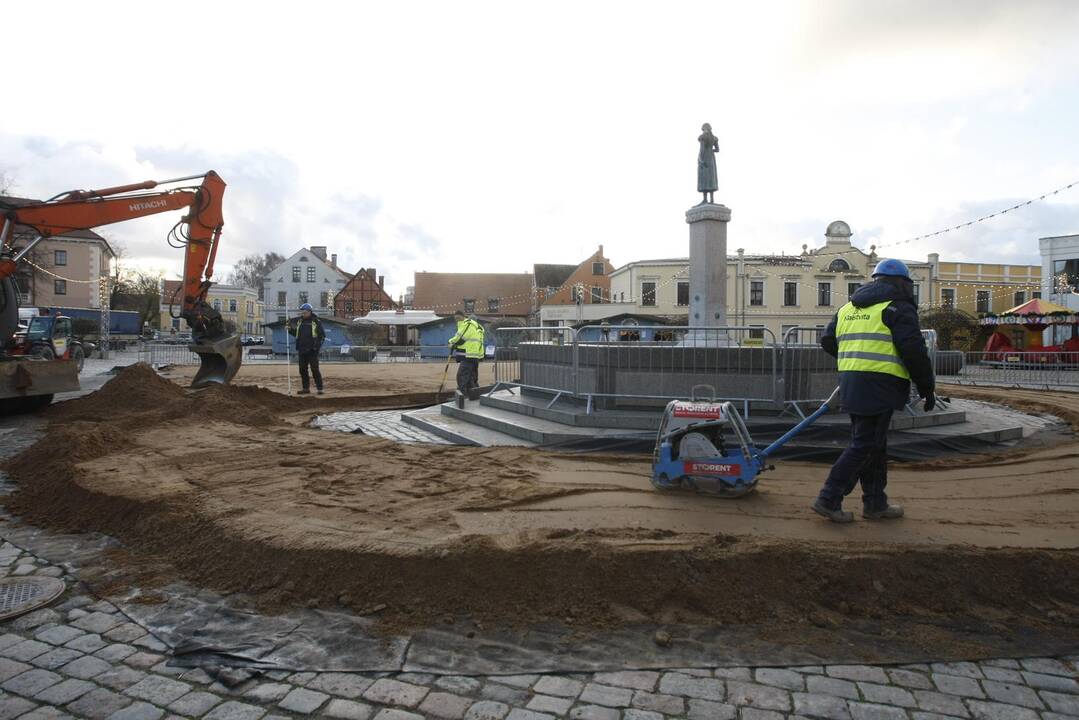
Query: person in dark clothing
[(307, 330), (880, 350)]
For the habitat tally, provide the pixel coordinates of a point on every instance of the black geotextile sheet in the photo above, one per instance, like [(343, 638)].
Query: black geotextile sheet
[(204, 629), (819, 443)]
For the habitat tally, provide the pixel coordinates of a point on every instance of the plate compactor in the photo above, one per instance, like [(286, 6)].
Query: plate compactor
[(692, 451)]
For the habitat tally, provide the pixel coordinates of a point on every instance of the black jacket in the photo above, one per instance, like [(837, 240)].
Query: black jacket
[(871, 393), (309, 334)]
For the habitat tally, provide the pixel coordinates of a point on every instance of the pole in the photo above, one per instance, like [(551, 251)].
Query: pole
[(288, 359)]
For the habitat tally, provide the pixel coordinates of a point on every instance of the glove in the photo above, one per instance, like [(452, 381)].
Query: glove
[(930, 401)]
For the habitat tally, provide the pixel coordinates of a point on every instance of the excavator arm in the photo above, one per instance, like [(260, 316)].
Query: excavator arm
[(199, 230)]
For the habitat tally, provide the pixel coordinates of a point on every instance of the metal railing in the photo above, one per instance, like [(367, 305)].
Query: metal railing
[(552, 354), (1029, 369)]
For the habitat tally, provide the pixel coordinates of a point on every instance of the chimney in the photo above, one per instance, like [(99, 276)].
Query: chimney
[(381, 280), (600, 251), (333, 260), (319, 251)]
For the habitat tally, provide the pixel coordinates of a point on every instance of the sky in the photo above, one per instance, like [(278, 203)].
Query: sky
[(489, 136)]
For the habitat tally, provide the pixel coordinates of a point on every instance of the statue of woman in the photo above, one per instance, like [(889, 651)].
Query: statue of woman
[(707, 182)]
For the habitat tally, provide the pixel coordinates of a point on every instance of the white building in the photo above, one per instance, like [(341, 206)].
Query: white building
[(305, 277), (1060, 277)]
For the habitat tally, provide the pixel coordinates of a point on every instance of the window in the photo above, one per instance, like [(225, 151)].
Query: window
[(1066, 272), (1020, 298), (59, 287), (575, 294), (492, 305), (310, 273), (852, 288), (217, 305), (756, 292), (469, 304), (648, 294), (784, 329), (839, 265), (917, 293), (250, 308), (756, 332), (232, 306), (683, 294), (303, 298), (323, 299), (282, 298), (176, 323), (597, 295), (983, 301), (295, 273), (376, 305), (824, 293), (622, 296), (59, 257), (1036, 295), (790, 293), (947, 297), (348, 306), (597, 268), (280, 317)]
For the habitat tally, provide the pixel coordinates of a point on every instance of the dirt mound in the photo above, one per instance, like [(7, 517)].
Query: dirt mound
[(136, 389)]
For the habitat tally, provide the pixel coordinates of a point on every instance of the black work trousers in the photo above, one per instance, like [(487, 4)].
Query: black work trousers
[(865, 460), (309, 360), (468, 374)]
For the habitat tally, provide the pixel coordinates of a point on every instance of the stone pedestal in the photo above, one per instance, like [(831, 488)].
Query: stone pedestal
[(707, 270)]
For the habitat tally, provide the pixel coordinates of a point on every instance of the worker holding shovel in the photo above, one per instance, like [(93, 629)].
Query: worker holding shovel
[(879, 345), (467, 348)]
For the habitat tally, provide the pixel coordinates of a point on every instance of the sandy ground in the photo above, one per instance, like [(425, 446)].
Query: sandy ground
[(348, 378), (236, 497)]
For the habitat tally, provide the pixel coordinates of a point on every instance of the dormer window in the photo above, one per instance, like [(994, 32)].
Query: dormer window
[(839, 265), (303, 258)]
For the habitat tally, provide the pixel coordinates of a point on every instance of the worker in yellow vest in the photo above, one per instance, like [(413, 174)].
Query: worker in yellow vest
[(467, 347), (880, 349)]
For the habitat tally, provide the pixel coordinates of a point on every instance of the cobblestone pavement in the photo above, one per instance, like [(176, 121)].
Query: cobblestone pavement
[(81, 657), (378, 423)]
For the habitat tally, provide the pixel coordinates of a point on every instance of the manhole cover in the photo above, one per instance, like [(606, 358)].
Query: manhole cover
[(23, 594)]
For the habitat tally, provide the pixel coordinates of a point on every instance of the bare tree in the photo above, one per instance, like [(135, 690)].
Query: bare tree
[(249, 270)]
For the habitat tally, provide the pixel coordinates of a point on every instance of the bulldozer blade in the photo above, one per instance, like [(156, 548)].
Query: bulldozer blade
[(220, 361), (31, 377)]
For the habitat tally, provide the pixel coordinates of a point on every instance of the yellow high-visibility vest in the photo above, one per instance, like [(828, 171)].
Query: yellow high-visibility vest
[(470, 337), (865, 342)]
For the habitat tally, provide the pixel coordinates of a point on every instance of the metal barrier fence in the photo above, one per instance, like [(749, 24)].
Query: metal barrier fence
[(551, 352), (1041, 370), (174, 354)]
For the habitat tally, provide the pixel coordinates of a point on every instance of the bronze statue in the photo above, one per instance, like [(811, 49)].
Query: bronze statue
[(707, 181)]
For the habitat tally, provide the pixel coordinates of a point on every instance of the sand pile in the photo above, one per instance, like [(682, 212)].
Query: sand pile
[(233, 497)]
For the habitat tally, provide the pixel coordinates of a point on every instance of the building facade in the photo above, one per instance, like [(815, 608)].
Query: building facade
[(307, 276), (980, 288), (491, 295), (587, 283), (239, 306), (365, 291), (1060, 284)]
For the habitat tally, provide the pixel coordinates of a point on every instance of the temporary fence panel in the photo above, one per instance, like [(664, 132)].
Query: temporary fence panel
[(644, 365), (809, 374), (1033, 369), (550, 353)]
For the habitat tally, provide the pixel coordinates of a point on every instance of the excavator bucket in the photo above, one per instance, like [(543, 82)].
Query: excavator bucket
[(220, 361)]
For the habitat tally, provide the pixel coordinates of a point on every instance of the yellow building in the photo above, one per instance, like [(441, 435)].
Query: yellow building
[(980, 288), (237, 305)]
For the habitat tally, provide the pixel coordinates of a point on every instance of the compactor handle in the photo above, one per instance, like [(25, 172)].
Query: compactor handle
[(693, 392)]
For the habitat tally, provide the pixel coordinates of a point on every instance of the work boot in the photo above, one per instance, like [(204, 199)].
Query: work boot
[(319, 391), (839, 515), (305, 391), (889, 513)]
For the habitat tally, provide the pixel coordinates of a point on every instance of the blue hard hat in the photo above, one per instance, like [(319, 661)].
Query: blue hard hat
[(892, 268), (306, 306)]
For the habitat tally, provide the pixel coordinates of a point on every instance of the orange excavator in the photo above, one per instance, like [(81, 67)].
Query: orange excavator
[(199, 231)]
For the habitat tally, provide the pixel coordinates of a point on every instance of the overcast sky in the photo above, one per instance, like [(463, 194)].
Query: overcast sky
[(491, 136)]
